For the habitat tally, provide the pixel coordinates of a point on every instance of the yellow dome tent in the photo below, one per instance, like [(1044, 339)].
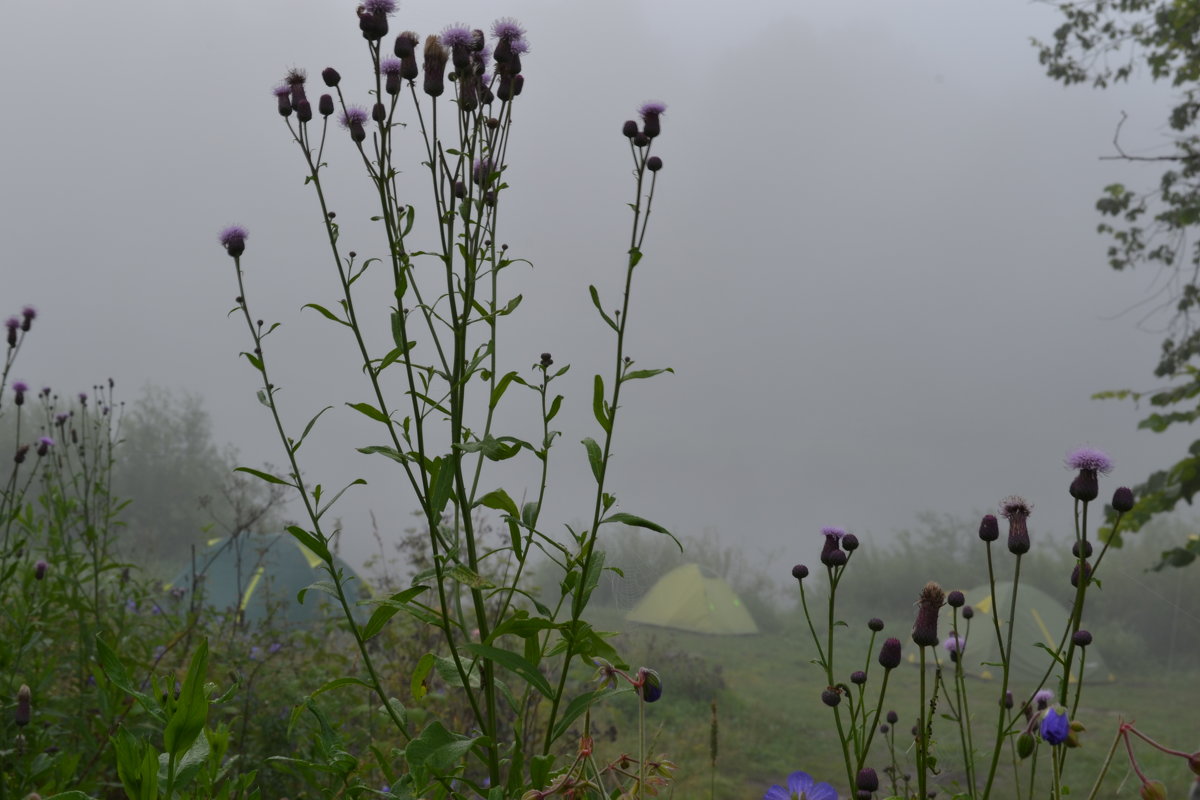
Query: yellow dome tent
[(691, 598)]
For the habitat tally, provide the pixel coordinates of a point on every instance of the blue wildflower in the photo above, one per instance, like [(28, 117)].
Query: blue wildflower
[(801, 786), (1055, 726)]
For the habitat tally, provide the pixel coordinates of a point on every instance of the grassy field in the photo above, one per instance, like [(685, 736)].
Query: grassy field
[(772, 721)]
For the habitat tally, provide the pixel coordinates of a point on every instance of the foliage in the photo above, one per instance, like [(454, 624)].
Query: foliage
[(1103, 42)]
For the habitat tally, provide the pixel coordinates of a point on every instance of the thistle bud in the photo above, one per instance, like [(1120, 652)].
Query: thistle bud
[(799, 572), (1153, 790), (1016, 510), (22, 451), (831, 550), (1086, 548), (1025, 743), (641, 140), (406, 45), (889, 654), (989, 528), (858, 677), (13, 324), (1081, 638), (967, 612), (1087, 573), (436, 57), (304, 111), (24, 710), (893, 717), (651, 124), (867, 781), (629, 129), (39, 570), (1122, 500), (233, 239), (925, 633), (325, 105), (28, 314), (831, 697), (956, 599), (331, 77), (284, 95), (654, 164), (378, 112), (875, 624)]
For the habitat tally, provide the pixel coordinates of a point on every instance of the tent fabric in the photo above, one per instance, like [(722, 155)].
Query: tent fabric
[(259, 577), (689, 598), (1039, 620)]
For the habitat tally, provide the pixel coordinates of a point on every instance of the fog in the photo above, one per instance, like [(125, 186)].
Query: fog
[(872, 262)]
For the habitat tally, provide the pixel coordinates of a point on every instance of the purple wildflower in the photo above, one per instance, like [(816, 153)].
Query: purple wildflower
[(484, 168), (1042, 698), (390, 66), (233, 239), (354, 115), (507, 29), (284, 95), (954, 645), (889, 653), (1055, 727), (801, 784), (44, 445), (39, 570), (379, 6), (20, 387), (274, 648), (393, 69), (925, 632), (832, 554), (1089, 459), (457, 36), (648, 684), (28, 315), (13, 324)]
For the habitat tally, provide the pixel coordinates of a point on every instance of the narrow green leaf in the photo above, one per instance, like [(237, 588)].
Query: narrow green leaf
[(499, 500), (191, 709), (370, 411), (418, 685), (326, 313), (266, 476), (555, 405), (596, 302), (638, 374), (595, 458), (513, 663), (599, 407), (311, 542), (501, 385), (640, 522), (337, 683)]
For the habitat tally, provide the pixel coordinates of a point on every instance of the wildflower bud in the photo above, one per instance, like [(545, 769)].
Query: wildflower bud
[(893, 717), (651, 125), (641, 140), (1087, 549), (925, 633), (1016, 510), (889, 654), (1025, 743), (1007, 700), (989, 528), (967, 612), (884, 728), (39, 570), (956, 599), (406, 45), (1042, 699), (284, 95), (378, 112), (654, 164), (867, 781), (858, 677), (435, 67), (408, 68), (44, 445), (505, 91), (233, 239), (1087, 573), (1055, 726), (629, 129), (832, 546), (875, 624), (304, 111), (1085, 487), (478, 41), (649, 685), (358, 134), (546, 361), (325, 105), (1153, 790), (22, 451), (1081, 638), (799, 572), (486, 96), (28, 314), (12, 323), (1122, 500), (19, 390), (372, 22), (831, 697), (862, 794), (393, 83), (518, 84), (460, 190), (331, 77), (24, 710)]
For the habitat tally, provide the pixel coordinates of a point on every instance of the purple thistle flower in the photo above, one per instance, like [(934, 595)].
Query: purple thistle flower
[(925, 632), (652, 109), (274, 648), (12, 323), (384, 7), (889, 653), (406, 45), (1017, 510), (28, 315), (44, 445), (954, 645), (1042, 698), (354, 115), (61, 418), (20, 387), (801, 784), (393, 68), (831, 551), (233, 239), (518, 47), (650, 123), (457, 36), (1055, 727), (390, 66), (1090, 459), (507, 29), (284, 95)]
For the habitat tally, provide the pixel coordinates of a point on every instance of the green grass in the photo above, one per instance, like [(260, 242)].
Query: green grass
[(772, 721)]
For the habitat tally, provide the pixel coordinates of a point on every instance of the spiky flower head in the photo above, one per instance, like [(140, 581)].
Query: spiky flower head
[(1089, 459), (925, 632), (954, 645), (233, 239), (831, 552), (1017, 510), (406, 44), (28, 314), (295, 77), (44, 445), (457, 36), (384, 7), (390, 66), (650, 113), (354, 115), (507, 29), (436, 57), (20, 387), (889, 653), (12, 323), (284, 95)]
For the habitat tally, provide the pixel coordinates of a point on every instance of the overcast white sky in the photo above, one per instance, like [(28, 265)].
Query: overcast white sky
[(872, 262)]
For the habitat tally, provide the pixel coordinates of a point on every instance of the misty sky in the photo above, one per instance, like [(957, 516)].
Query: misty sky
[(872, 262)]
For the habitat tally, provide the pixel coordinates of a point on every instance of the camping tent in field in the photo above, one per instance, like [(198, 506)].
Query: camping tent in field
[(260, 576), (691, 598), (1039, 619)]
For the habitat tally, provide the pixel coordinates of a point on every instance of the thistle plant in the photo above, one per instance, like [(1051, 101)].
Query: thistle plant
[(1041, 728), (451, 104)]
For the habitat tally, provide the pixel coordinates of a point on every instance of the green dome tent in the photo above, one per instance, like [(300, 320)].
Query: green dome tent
[(259, 577), (690, 598), (1039, 619)]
